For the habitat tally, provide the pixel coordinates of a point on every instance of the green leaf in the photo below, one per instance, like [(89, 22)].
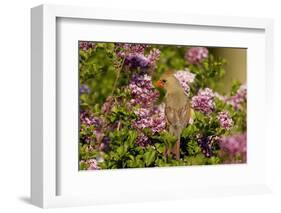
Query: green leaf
[(214, 160), (234, 87), (189, 131), (168, 139), (83, 166), (193, 148), (149, 157)]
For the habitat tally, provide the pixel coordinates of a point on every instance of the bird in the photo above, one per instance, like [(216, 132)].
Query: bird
[(177, 108)]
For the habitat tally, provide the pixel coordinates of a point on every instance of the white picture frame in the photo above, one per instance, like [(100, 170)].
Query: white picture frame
[(45, 172)]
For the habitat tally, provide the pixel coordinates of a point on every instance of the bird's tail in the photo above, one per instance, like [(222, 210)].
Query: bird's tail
[(176, 149), (175, 130)]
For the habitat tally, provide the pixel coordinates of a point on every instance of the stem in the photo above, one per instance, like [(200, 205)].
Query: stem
[(117, 76), (118, 125)]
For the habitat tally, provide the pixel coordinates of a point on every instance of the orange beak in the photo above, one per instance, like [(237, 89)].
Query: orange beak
[(159, 84)]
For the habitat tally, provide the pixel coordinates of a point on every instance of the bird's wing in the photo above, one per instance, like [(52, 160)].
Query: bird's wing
[(178, 116), (171, 115), (186, 113)]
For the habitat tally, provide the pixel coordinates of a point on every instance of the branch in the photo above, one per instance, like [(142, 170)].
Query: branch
[(117, 76)]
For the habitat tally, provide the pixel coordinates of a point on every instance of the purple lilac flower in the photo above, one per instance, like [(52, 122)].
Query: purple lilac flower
[(153, 57), (84, 89), (225, 120), (234, 146), (196, 55), (89, 148), (235, 100), (207, 143), (185, 77), (125, 49), (104, 146), (87, 119), (204, 101), (135, 57), (108, 104), (136, 60), (242, 91), (153, 119), (143, 140), (85, 45), (91, 163), (142, 91), (144, 98), (238, 98)]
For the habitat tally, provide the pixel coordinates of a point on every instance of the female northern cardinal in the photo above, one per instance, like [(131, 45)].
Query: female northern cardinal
[(177, 108)]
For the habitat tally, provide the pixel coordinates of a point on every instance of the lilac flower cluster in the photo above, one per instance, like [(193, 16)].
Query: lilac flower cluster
[(153, 119), (143, 100), (142, 61), (196, 55), (153, 57), (91, 163), (85, 45), (104, 146), (207, 143), (124, 50), (242, 91), (142, 91), (238, 98), (136, 60), (225, 120), (204, 101), (234, 146), (135, 57), (84, 89), (142, 140), (185, 77), (86, 120), (108, 104)]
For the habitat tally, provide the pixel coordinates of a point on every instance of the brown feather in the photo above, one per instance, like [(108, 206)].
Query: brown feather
[(177, 108)]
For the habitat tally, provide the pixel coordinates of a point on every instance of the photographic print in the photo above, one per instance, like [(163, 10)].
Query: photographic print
[(152, 105)]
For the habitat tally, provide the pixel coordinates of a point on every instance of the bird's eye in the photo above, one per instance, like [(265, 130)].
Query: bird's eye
[(164, 81)]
